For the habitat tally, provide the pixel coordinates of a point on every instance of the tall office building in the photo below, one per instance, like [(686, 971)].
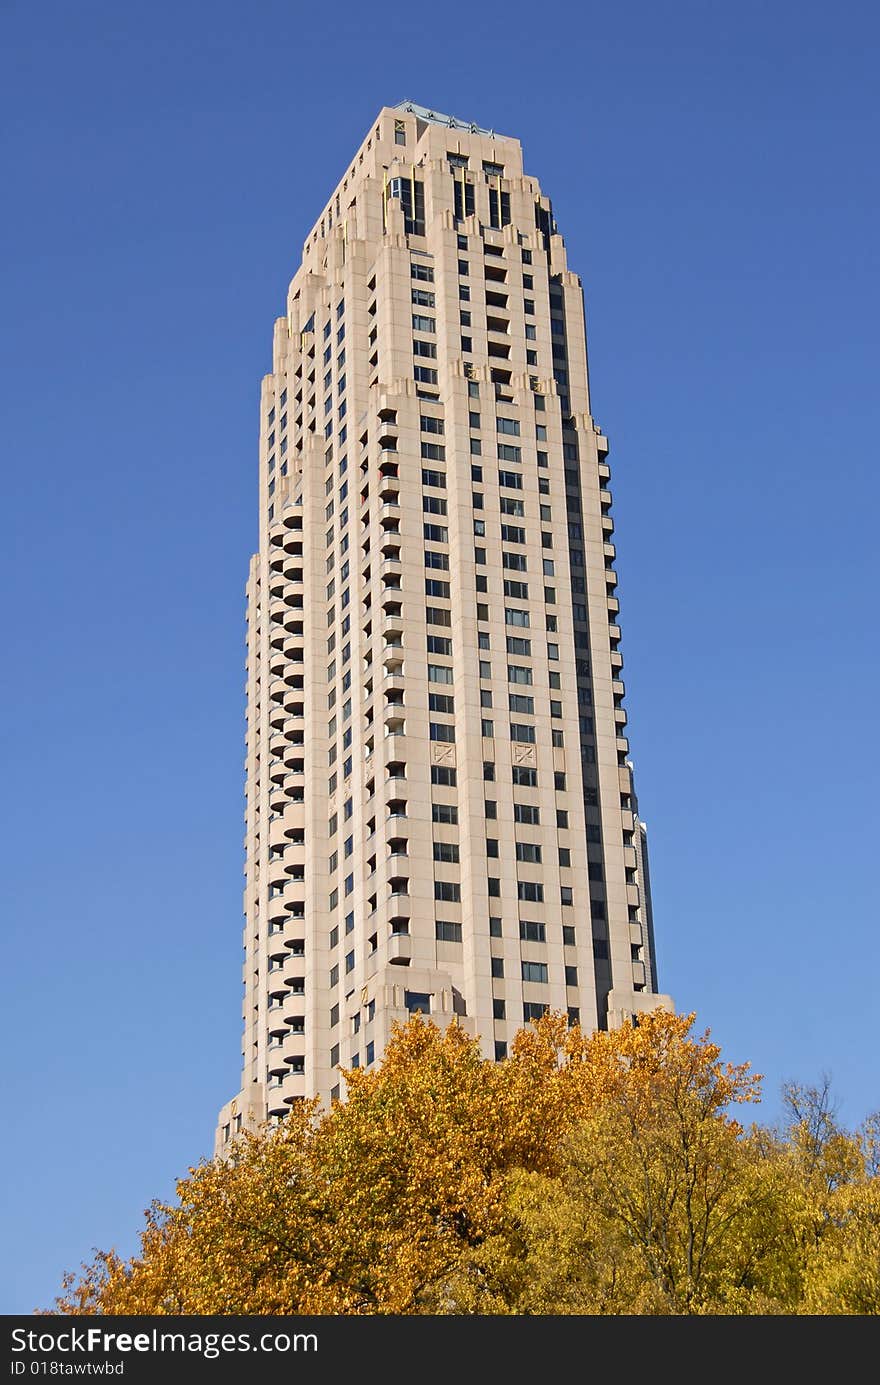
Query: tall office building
[(440, 808)]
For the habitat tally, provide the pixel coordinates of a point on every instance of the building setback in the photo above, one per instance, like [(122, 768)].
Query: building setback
[(440, 808)]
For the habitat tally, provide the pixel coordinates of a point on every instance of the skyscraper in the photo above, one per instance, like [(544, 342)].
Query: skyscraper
[(440, 808)]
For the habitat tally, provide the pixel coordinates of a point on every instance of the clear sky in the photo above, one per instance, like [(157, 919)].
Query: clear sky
[(713, 168)]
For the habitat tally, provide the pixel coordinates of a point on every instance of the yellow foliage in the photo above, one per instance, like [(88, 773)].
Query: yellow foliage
[(598, 1173)]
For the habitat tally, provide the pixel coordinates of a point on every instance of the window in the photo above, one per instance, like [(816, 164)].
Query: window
[(440, 702), (559, 780), (527, 812), (515, 617), (528, 851), (514, 562), (435, 533), (438, 644), (518, 673), (511, 479), (442, 774), (439, 673), (444, 812), (434, 615), (448, 890), (441, 732), (534, 971), (438, 560), (507, 425), (417, 1002), (497, 966), (530, 890), (523, 776), (431, 425), (518, 590), (509, 505), (498, 1011), (445, 851), (447, 932), (421, 271), (512, 533), (520, 732), (532, 1010), (492, 847), (532, 932), (506, 453), (517, 645), (488, 770), (565, 894), (433, 504), (434, 587), (424, 348), (423, 297)]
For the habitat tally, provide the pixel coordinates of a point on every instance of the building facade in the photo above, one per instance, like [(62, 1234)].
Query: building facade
[(440, 807)]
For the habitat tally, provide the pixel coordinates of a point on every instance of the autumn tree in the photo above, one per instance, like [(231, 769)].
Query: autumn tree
[(602, 1173)]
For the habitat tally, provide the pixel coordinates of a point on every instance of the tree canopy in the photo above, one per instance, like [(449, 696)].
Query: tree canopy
[(607, 1173)]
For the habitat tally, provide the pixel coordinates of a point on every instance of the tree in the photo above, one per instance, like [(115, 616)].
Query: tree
[(600, 1173)]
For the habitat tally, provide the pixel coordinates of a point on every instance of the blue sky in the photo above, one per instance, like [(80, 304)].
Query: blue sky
[(713, 170)]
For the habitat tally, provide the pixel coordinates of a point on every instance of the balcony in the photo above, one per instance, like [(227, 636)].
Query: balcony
[(276, 877), (397, 863), (293, 934), (400, 949), (293, 1047), (399, 905), (293, 1007), (393, 683)]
